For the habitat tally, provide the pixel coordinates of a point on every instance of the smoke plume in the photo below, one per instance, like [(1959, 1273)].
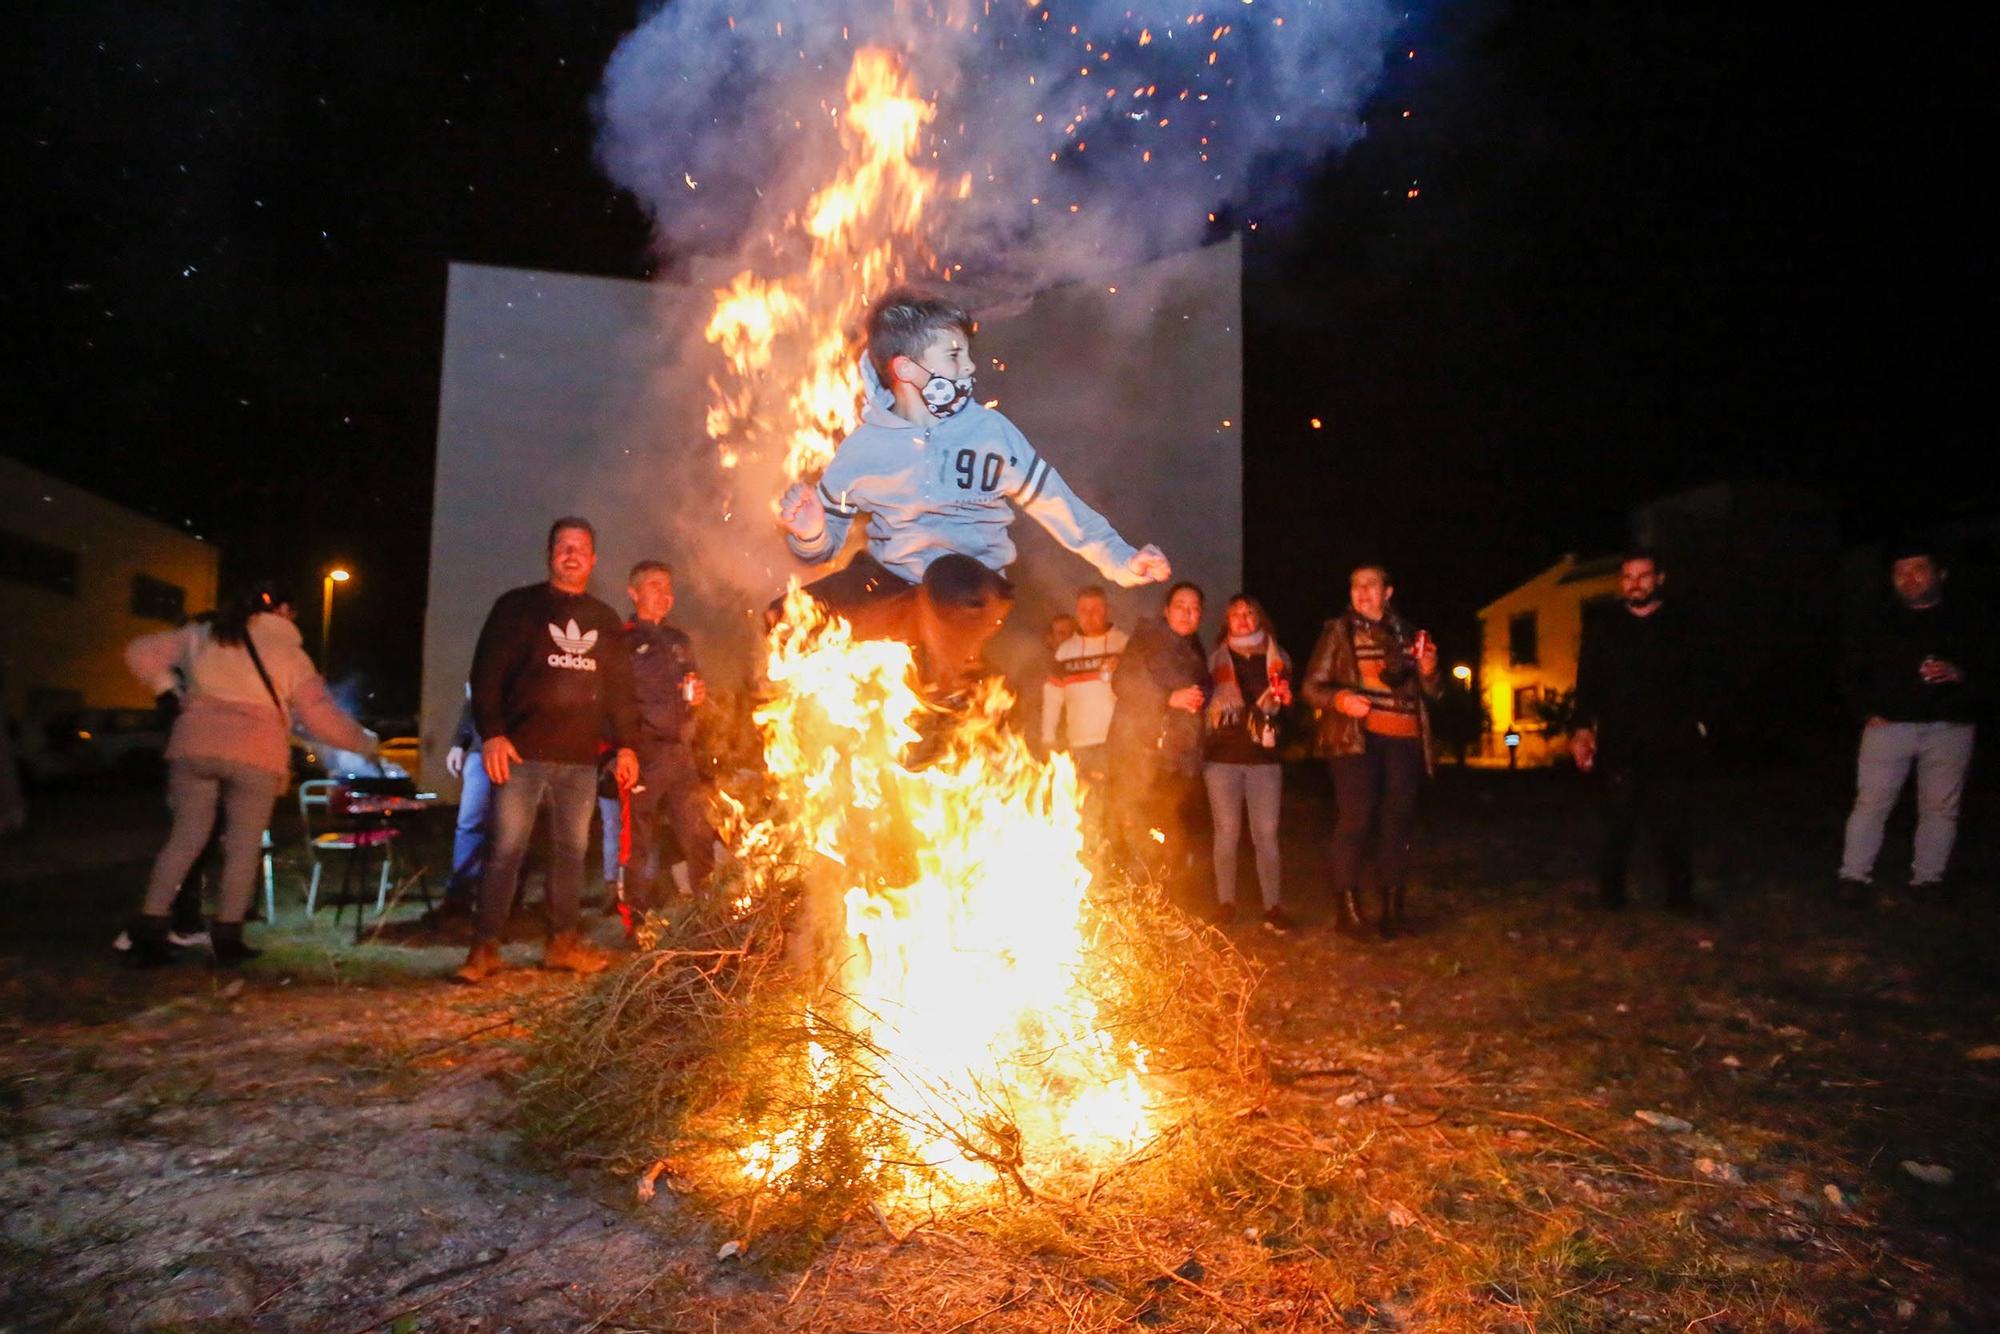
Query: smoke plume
[(1093, 134)]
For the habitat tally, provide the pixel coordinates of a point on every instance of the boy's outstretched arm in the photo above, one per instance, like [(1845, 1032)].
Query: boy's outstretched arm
[(1044, 496), (815, 521)]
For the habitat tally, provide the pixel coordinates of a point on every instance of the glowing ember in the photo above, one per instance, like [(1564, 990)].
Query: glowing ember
[(856, 237), (959, 951)]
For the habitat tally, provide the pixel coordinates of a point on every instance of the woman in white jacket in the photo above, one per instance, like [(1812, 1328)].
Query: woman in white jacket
[(245, 681)]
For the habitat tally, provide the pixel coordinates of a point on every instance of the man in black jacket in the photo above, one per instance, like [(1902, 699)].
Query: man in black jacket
[(551, 677), (667, 687), (1638, 716), (1912, 675)]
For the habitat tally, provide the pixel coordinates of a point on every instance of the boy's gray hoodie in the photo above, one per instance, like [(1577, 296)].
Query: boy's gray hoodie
[(952, 486)]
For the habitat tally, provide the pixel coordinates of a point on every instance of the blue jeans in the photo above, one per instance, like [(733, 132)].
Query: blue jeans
[(1232, 788), (570, 789), (468, 840)]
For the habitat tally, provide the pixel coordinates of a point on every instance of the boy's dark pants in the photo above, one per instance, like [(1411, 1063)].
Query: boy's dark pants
[(947, 619), (1645, 789)]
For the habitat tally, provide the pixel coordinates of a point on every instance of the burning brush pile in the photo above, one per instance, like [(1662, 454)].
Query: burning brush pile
[(910, 996)]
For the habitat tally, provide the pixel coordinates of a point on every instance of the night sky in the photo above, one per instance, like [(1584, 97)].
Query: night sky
[(1648, 248)]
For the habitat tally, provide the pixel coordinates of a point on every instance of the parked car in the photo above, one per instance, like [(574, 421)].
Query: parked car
[(80, 743)]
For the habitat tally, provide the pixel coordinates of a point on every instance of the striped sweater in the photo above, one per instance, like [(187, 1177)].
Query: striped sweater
[(1079, 688)]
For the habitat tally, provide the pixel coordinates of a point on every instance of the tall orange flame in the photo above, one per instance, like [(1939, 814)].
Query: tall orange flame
[(860, 236), (960, 950)]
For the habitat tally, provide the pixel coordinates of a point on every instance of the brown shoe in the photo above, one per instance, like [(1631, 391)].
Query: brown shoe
[(571, 953), (480, 964)]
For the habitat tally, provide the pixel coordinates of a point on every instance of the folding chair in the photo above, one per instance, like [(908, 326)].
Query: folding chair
[(342, 837)]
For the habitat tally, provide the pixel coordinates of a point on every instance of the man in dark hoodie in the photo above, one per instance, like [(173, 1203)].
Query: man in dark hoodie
[(1638, 715), (551, 677), (1913, 675), (667, 686)]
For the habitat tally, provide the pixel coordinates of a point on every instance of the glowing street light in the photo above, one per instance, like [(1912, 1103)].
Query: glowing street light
[(336, 575), (1462, 672)]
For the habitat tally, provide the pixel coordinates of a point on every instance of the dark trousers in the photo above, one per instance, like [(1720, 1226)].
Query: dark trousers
[(571, 790), (1160, 817), (946, 620), (669, 786), (1648, 790), (1375, 801)]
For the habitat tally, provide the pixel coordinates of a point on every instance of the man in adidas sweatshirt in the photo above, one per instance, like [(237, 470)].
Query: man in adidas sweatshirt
[(551, 678)]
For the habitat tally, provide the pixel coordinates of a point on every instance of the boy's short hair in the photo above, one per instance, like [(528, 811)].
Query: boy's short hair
[(569, 521), (646, 567), (1191, 587), (1092, 591), (903, 323)]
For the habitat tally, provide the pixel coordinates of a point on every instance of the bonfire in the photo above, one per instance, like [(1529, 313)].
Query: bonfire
[(912, 993)]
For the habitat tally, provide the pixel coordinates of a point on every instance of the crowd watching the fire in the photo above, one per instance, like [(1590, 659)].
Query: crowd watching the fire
[(1177, 745)]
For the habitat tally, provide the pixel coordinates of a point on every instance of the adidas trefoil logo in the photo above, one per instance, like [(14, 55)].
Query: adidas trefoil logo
[(575, 645)]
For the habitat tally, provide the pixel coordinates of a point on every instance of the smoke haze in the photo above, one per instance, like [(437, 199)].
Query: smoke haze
[(1095, 134)]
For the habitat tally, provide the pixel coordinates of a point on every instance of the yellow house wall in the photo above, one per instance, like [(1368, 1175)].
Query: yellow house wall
[(57, 641), (1559, 631)]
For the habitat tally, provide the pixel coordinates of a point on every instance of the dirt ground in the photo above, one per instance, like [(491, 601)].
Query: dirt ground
[(1778, 1116)]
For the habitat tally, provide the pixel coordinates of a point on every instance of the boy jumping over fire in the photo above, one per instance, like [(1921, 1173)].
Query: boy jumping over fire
[(939, 476)]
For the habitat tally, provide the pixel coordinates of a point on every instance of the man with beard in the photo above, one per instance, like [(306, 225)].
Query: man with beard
[(550, 677), (1912, 676), (1638, 716)]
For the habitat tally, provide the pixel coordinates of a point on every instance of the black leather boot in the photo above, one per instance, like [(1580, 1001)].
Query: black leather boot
[(1392, 912), (229, 947), (149, 942)]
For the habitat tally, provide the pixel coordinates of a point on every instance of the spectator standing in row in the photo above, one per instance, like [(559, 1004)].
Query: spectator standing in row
[(667, 688), (1252, 688), (1161, 686), (475, 801), (550, 677), (1638, 727), (1372, 678), (1911, 675), (1077, 697), (244, 679)]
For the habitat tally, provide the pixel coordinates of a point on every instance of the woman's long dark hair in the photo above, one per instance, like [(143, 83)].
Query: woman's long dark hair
[(232, 618)]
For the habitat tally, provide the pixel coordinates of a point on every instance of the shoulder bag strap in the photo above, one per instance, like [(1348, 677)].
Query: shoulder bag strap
[(250, 643)]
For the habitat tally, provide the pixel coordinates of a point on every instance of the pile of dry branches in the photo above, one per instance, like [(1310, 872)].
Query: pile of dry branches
[(684, 1060)]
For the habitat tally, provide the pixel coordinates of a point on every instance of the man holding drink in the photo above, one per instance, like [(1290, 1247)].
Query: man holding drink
[(667, 685), (1372, 678)]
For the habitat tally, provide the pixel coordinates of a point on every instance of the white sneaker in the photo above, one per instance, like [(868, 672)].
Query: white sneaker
[(186, 940)]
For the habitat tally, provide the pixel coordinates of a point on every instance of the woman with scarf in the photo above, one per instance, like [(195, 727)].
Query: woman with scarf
[(1253, 686), (1372, 678)]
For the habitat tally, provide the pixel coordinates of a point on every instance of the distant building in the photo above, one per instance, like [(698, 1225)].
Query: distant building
[(1530, 637), (1755, 566), (79, 577)]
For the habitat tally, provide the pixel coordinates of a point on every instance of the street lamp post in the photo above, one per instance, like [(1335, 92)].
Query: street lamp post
[(336, 575)]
